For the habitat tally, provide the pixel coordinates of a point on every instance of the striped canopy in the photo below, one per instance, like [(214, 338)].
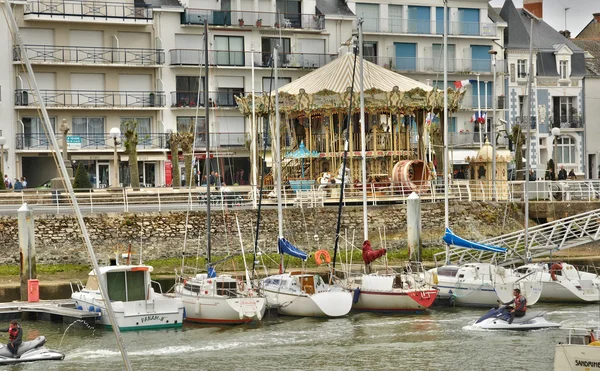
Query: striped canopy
[(336, 77)]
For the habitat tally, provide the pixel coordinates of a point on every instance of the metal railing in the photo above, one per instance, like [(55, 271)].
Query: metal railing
[(91, 98), (472, 138), (91, 10), (428, 27), (221, 98), (567, 122), (195, 57), (473, 101), (223, 140), (435, 65), (92, 55), (91, 141), (243, 18)]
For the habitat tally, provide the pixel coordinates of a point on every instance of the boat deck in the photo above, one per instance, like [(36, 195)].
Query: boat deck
[(61, 310)]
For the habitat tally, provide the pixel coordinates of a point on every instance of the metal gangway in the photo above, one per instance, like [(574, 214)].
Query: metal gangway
[(543, 240)]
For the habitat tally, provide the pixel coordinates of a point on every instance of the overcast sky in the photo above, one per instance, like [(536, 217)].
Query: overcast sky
[(578, 16)]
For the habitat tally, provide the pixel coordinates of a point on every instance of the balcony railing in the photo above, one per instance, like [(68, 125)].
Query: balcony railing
[(90, 10), (95, 141), (428, 27), (472, 138), (473, 101), (436, 65), (222, 98), (195, 57), (223, 140), (253, 19), (92, 55), (567, 122), (91, 98)]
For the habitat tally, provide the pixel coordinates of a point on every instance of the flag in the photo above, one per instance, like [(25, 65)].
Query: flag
[(429, 119), (463, 83), (479, 117)]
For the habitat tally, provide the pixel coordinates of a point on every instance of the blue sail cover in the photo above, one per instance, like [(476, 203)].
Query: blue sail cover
[(285, 247), (451, 239)]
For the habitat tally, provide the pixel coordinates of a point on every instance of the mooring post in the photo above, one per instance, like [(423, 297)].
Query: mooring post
[(413, 224), (27, 254)]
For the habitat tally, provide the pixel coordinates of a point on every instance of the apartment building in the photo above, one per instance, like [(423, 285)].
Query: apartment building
[(557, 101), (407, 36)]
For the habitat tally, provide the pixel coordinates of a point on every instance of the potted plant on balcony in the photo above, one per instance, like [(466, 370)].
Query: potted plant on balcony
[(151, 98), (277, 24), (241, 22), (259, 22)]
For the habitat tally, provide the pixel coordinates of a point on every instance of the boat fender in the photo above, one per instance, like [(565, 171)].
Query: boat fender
[(595, 343), (435, 279), (322, 253), (555, 267), (356, 295), (79, 307), (91, 308)]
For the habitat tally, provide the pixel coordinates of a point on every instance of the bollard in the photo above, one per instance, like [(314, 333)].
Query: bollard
[(27, 249), (413, 224)]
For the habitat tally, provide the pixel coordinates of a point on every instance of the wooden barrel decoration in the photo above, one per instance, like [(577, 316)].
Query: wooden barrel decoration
[(412, 176)]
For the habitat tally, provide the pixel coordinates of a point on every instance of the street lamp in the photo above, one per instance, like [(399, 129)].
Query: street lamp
[(115, 133), (555, 133), (2, 143)]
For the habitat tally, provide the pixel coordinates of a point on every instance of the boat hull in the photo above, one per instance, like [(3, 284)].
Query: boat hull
[(468, 295), (556, 291), (321, 304), (223, 310), (395, 300), (576, 357)]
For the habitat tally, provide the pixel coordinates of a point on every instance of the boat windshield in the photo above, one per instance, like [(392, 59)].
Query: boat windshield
[(92, 283), (447, 271)]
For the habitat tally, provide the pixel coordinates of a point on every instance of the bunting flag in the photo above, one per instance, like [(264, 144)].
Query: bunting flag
[(463, 83), (429, 119), (479, 117)]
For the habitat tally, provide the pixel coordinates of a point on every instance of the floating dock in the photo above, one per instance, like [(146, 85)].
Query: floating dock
[(62, 310)]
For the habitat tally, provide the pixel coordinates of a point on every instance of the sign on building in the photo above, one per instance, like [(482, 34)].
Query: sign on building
[(73, 142)]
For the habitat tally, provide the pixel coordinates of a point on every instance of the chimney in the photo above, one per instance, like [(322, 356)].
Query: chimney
[(565, 33), (597, 17), (534, 7)]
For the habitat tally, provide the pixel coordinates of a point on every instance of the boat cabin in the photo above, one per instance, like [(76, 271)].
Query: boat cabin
[(223, 285), (295, 281), (124, 283)]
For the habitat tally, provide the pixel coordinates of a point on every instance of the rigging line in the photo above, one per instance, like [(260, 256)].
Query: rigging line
[(263, 163), (341, 201)]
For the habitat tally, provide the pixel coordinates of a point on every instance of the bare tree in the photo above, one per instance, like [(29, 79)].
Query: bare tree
[(131, 142), (518, 138), (174, 145), (186, 140)]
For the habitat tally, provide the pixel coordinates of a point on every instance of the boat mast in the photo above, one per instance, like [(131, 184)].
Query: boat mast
[(278, 157), (363, 149), (528, 151), (69, 187), (445, 134), (207, 163)]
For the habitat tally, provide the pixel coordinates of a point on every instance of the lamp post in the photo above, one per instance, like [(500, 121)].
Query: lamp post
[(493, 53), (115, 133), (555, 133), (2, 143), (64, 128)]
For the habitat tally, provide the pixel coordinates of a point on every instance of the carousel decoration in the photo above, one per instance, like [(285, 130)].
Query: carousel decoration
[(314, 107)]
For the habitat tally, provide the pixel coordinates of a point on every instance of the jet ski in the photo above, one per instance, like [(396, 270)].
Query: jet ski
[(29, 351), (497, 319)]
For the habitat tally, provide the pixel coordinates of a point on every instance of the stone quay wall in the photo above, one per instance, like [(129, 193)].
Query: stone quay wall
[(161, 235)]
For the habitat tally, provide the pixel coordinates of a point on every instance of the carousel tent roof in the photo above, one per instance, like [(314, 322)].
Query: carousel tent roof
[(336, 76)]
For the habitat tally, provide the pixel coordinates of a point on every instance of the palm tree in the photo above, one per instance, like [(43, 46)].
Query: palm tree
[(131, 142)]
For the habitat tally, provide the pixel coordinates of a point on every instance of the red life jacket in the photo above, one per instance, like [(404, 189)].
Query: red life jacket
[(520, 303), (12, 333)]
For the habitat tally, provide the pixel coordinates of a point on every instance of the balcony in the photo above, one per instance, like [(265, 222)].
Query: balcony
[(195, 57), (55, 54), (567, 122), (427, 27), (473, 101), (472, 139), (222, 140), (96, 99), (90, 142), (88, 11), (436, 65), (221, 98), (230, 18)]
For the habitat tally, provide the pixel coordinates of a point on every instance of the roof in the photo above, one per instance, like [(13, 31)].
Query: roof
[(591, 46), (494, 16), (334, 7), (336, 76), (517, 35)]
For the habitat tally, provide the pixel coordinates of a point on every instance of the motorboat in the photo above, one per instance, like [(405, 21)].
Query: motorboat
[(305, 295), (219, 299), (580, 352), (480, 284), (562, 282), (30, 351), (497, 319), (135, 303)]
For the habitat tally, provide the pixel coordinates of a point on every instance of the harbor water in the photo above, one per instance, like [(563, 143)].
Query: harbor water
[(441, 339)]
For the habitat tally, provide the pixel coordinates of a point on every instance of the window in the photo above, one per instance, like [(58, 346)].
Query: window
[(406, 56), (468, 20), (91, 130), (566, 150), (144, 129), (395, 14), (419, 19), (370, 15), (370, 51), (184, 124), (521, 104), (226, 96), (522, 68), (186, 93), (439, 21), (283, 55), (35, 133), (564, 70), (290, 12), (268, 86), (481, 60), (565, 109), (482, 95), (437, 53), (229, 50)]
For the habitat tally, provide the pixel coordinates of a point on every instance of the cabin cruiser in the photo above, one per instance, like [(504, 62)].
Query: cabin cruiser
[(29, 351), (497, 319), (581, 351)]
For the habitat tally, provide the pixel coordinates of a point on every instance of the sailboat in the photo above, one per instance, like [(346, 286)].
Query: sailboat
[(298, 293), (209, 298), (383, 292)]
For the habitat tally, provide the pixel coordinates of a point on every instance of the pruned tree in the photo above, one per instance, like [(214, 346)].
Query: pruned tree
[(186, 141), (518, 138), (2, 185), (131, 142), (174, 143), (82, 178)]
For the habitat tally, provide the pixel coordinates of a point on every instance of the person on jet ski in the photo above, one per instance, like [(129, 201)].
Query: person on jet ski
[(519, 308), (15, 336)]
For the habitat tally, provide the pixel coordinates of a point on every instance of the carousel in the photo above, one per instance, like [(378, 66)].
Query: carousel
[(402, 120)]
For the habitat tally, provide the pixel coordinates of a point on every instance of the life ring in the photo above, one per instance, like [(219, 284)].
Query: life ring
[(555, 267), (322, 253)]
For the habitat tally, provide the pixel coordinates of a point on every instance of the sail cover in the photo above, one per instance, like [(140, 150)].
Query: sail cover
[(451, 239), (285, 247)]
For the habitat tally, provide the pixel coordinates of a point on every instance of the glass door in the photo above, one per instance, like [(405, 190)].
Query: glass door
[(150, 174), (103, 175)]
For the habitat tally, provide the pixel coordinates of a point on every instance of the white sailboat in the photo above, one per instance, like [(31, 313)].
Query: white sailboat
[(209, 298), (580, 352), (298, 293)]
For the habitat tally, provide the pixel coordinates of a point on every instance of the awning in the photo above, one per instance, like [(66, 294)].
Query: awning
[(91, 157), (458, 156), (146, 157)]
